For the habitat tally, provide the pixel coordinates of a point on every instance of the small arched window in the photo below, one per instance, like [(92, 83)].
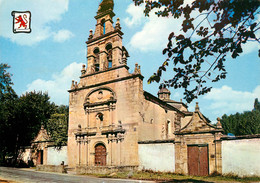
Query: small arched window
[(168, 128), (100, 117), (103, 23)]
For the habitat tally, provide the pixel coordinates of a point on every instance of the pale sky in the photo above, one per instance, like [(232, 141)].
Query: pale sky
[(51, 56)]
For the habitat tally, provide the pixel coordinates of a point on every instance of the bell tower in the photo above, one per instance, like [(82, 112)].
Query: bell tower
[(105, 48), (103, 104)]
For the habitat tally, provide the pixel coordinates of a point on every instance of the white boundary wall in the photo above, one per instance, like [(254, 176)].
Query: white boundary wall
[(55, 157), (241, 157), (157, 157)]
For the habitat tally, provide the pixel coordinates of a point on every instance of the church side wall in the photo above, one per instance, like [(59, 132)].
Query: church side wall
[(241, 157), (157, 157), (154, 121)]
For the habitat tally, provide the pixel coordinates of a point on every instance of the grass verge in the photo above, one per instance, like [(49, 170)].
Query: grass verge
[(171, 177)]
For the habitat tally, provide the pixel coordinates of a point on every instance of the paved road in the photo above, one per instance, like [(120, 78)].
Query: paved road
[(25, 176)]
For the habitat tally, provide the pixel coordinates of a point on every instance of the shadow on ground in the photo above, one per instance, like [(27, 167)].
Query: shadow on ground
[(2, 181), (185, 181)]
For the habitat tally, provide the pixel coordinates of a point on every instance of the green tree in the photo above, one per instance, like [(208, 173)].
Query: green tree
[(211, 30), (57, 126), (21, 119), (5, 80), (256, 105), (35, 109), (8, 106), (246, 123)]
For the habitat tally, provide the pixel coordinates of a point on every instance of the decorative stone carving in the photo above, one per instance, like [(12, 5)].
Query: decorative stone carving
[(118, 27), (124, 58), (83, 70), (90, 34), (72, 84), (137, 69)]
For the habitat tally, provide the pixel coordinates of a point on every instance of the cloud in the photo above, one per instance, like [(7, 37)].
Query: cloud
[(225, 100), (136, 13), (43, 14), (62, 36), (154, 32), (59, 84)]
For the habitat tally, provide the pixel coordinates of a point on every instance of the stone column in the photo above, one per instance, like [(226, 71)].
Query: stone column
[(79, 150), (117, 55), (90, 66), (103, 63)]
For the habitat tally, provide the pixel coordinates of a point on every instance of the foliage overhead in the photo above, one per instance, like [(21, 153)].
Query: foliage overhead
[(57, 126), (211, 31), (246, 123)]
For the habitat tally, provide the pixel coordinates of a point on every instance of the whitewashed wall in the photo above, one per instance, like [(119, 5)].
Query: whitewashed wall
[(241, 157), (55, 157), (157, 157)]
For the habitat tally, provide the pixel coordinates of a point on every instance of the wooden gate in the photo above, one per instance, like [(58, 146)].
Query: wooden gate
[(100, 155), (198, 160)]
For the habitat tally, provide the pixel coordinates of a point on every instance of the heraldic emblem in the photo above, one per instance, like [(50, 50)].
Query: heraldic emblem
[(21, 21)]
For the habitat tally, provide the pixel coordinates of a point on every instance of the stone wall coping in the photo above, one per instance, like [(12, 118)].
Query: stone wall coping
[(157, 141), (241, 137), (198, 132), (56, 146), (108, 166), (38, 142)]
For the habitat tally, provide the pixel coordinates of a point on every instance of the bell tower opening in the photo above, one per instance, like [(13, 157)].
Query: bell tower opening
[(103, 27), (96, 59), (109, 54)]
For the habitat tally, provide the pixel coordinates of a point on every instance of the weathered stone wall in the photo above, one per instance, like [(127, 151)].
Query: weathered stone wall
[(51, 168), (104, 169), (157, 157), (55, 156), (154, 122), (241, 157)]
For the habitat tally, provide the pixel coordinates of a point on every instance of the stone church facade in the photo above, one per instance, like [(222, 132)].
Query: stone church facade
[(110, 114)]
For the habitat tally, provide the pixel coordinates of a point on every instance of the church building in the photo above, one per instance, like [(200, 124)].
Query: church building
[(111, 117)]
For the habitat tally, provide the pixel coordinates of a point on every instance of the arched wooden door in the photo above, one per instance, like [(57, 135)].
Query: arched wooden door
[(100, 155)]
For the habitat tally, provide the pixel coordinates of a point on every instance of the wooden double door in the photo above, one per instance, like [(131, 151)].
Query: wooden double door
[(198, 163), (100, 155)]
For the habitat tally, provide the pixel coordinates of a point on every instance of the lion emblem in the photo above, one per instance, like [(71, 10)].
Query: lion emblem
[(23, 22)]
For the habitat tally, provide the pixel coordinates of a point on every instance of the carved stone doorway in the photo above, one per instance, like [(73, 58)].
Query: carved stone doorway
[(100, 155)]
